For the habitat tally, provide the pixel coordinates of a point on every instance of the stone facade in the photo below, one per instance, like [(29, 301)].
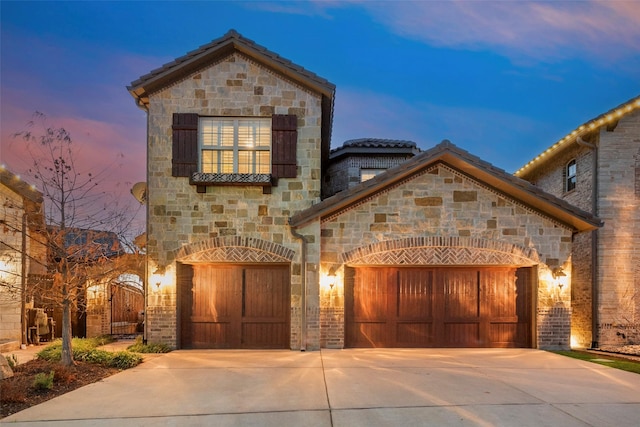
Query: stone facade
[(436, 216), (608, 179), (442, 217), (178, 215)]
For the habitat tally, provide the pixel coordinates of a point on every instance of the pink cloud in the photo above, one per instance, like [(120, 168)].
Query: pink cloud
[(519, 30)]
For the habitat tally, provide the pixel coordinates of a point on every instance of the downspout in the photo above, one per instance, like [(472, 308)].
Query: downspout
[(303, 272), (145, 287), (595, 317)]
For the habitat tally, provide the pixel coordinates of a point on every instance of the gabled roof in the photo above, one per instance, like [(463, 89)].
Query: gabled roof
[(219, 48), (606, 119), (224, 46), (18, 186), (364, 146), (467, 164)]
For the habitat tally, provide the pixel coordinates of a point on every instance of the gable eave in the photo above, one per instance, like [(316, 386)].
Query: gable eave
[(590, 126), (218, 49), (471, 166)]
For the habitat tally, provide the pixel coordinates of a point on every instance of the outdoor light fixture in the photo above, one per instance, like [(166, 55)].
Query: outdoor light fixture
[(557, 273)]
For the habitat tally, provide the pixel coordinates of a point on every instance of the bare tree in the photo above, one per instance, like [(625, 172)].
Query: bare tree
[(85, 225)]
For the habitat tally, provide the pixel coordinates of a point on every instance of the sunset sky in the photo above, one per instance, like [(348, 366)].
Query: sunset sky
[(504, 80)]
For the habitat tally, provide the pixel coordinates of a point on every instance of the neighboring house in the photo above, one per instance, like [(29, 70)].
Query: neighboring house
[(597, 168), (361, 159), (21, 225), (245, 252)]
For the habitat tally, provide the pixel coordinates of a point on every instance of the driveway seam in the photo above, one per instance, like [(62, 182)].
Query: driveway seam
[(326, 387)]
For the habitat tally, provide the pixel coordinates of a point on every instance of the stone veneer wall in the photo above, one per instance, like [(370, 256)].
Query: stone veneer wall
[(10, 295), (619, 238), (443, 208), (235, 86), (551, 179), (618, 206)]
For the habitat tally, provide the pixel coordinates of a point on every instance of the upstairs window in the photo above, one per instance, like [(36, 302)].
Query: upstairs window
[(570, 176), (235, 145), (229, 150), (368, 173)]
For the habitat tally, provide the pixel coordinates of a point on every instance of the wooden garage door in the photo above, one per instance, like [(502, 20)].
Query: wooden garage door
[(233, 306), (438, 307)]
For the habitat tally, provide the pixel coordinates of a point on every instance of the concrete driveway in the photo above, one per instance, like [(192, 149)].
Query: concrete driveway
[(378, 387)]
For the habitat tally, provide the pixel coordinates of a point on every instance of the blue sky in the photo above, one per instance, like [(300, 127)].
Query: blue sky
[(504, 80)]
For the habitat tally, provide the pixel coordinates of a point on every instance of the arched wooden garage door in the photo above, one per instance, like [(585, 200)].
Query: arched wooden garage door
[(438, 307), (234, 306)]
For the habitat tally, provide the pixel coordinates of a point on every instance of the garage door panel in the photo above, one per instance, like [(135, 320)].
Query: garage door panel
[(503, 334), (371, 295), (415, 294), (210, 335), (438, 307), (235, 306), (264, 335), (461, 294), (500, 292), (369, 334), (414, 334), (265, 293), (462, 334)]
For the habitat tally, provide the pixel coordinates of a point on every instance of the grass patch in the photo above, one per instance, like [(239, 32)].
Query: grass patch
[(86, 350), (601, 359), (139, 347)]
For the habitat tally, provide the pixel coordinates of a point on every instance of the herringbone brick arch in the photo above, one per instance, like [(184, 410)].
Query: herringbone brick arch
[(437, 250), (234, 249)]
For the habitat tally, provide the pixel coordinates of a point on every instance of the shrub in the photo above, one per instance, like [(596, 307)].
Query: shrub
[(12, 361), (52, 352), (124, 360), (12, 393), (43, 381), (63, 374), (139, 347), (84, 350)]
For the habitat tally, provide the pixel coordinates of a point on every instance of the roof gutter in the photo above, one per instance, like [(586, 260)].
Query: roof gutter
[(595, 316)]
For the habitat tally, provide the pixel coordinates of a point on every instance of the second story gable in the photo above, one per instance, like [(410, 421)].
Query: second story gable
[(236, 113)]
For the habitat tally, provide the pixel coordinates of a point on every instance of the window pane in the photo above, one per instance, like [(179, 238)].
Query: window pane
[(366, 174), (209, 161), (254, 133), (226, 133), (245, 161), (263, 162), (227, 161)]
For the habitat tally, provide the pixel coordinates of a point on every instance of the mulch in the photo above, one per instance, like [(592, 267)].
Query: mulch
[(18, 392)]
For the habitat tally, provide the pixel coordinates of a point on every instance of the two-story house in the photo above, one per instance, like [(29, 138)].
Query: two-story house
[(597, 168), (245, 250)]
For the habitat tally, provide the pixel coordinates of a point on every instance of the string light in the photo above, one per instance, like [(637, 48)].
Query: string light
[(599, 121)]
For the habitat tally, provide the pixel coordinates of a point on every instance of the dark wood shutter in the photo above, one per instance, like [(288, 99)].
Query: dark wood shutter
[(184, 160), (284, 140)]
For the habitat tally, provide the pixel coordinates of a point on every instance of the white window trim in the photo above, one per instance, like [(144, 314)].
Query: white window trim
[(236, 149)]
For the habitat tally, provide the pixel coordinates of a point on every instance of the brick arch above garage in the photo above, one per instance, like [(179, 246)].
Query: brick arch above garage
[(440, 250), (234, 249)]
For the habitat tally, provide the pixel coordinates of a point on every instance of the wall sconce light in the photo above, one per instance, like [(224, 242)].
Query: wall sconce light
[(557, 273), (332, 280)]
